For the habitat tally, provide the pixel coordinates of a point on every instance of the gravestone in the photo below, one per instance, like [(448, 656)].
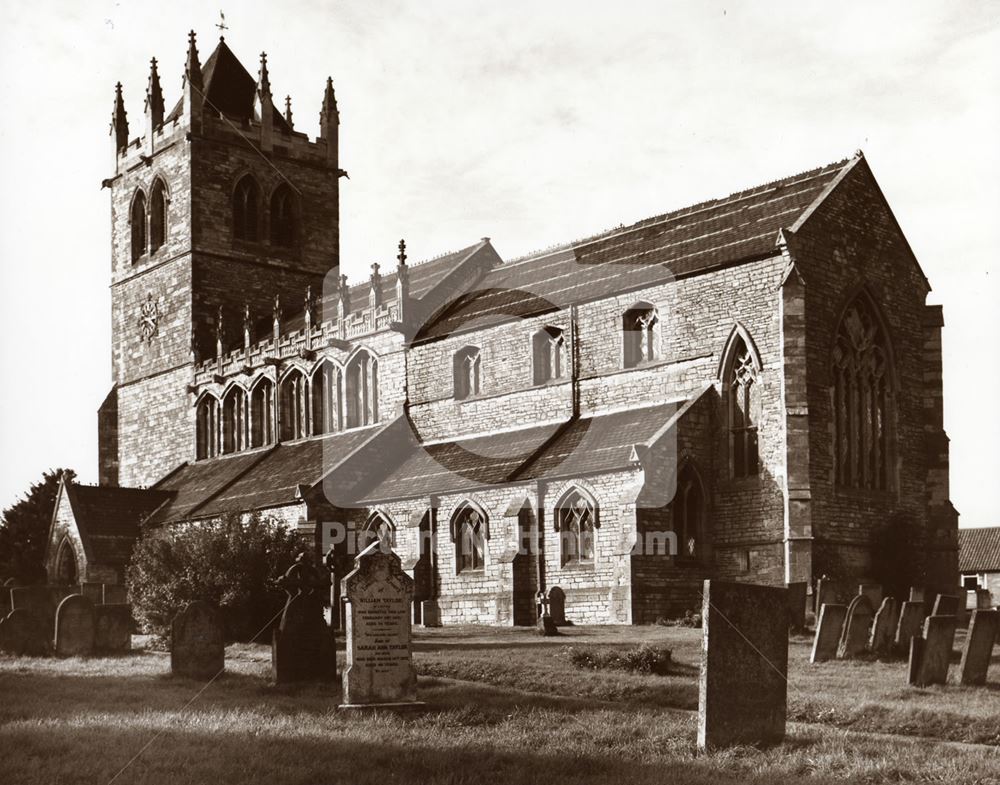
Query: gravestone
[(743, 687), (379, 649), (933, 653), (984, 599), (114, 594), (983, 630), (797, 599), (113, 628), (197, 648), (828, 592), (302, 645), (23, 634), (916, 594), (430, 613), (884, 627), (557, 606), (854, 639), (945, 605), (828, 629), (75, 627), (93, 592), (41, 602), (873, 591), (911, 618)]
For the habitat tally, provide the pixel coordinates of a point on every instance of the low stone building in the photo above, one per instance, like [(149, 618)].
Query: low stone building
[(748, 388), (979, 559)]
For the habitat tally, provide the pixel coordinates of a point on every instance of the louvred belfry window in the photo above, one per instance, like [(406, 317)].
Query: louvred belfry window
[(138, 220), (158, 216), (862, 400)]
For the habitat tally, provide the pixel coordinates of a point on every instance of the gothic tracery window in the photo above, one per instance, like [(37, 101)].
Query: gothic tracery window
[(548, 355), (325, 395), (640, 328), (469, 534), (466, 372), (262, 413), (362, 390), (157, 216), (862, 400), (283, 217), (292, 406), (207, 427), (137, 219), (380, 529), (743, 401), (234, 420), (246, 209), (576, 518)]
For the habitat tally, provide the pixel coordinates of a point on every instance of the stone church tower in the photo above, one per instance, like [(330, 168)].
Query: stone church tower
[(220, 212)]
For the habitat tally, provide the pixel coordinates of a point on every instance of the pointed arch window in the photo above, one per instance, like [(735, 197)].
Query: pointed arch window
[(293, 406), (862, 400), (67, 572), (743, 405), (576, 519), (137, 219), (325, 395), (466, 369), (283, 217), (246, 210), (234, 420), (207, 427), (362, 390), (469, 530), (689, 514), (262, 413), (157, 216), (548, 350), (378, 528), (640, 335)]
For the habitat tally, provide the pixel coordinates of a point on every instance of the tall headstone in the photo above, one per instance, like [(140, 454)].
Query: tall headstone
[(430, 613), (983, 630), (379, 667), (797, 599), (911, 618), (743, 687), (113, 628), (23, 634), (828, 629), (945, 605), (854, 639), (302, 645), (197, 646), (828, 592), (557, 606), (873, 591), (75, 627), (933, 652), (41, 602), (984, 599), (916, 594), (884, 627)]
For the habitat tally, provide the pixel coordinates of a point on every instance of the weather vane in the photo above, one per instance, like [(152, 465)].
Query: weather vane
[(222, 23)]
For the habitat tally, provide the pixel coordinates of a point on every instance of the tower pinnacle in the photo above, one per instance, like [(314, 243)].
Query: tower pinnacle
[(154, 97)]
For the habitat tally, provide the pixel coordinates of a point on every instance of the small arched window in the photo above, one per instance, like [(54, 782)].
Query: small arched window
[(246, 210), (548, 350), (743, 406), (293, 406), (157, 216), (576, 519), (234, 420), (207, 427), (67, 572), (137, 219), (378, 528), (466, 372), (862, 399), (469, 533), (283, 217), (262, 413), (362, 390), (640, 333), (689, 514), (325, 394)]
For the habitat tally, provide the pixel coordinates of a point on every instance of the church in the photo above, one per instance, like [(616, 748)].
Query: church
[(747, 389)]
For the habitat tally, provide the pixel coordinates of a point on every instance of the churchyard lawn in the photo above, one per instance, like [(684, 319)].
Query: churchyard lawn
[(502, 706)]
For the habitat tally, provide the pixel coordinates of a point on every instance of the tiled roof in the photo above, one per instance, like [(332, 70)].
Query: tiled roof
[(192, 483), (581, 446), (979, 549), (108, 518), (739, 227)]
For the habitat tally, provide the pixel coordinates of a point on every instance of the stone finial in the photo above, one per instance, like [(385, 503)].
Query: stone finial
[(329, 110), (194, 344), (310, 308), (192, 66), (343, 304), (402, 283), (401, 256), (119, 121), (329, 120), (375, 294), (276, 314), (265, 105), (154, 97), (220, 334), (288, 111), (247, 327)]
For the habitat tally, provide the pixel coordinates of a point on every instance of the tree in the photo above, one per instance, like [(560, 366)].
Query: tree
[(24, 530)]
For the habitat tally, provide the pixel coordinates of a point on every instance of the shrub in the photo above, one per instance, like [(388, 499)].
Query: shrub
[(230, 562), (638, 659)]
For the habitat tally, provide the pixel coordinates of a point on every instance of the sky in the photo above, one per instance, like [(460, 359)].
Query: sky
[(530, 123)]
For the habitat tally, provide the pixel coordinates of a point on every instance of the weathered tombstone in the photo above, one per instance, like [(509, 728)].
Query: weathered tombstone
[(114, 594), (430, 613), (302, 645), (75, 627), (743, 687), (884, 627), (797, 599), (984, 599), (873, 591), (197, 648), (93, 592), (10, 583), (557, 606), (827, 593), (41, 602), (916, 594), (911, 618), (828, 629), (983, 630), (933, 653), (23, 634), (854, 639), (113, 628), (379, 648), (945, 605)]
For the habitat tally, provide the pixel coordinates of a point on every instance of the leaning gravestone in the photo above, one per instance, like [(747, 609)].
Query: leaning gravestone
[(945, 605), (743, 687), (379, 668), (197, 648), (75, 627), (911, 619), (302, 645), (41, 602), (854, 639), (828, 628), (873, 591), (930, 655), (884, 627), (983, 630), (113, 628), (23, 634)]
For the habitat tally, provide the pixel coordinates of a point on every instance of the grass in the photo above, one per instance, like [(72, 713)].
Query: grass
[(525, 715)]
